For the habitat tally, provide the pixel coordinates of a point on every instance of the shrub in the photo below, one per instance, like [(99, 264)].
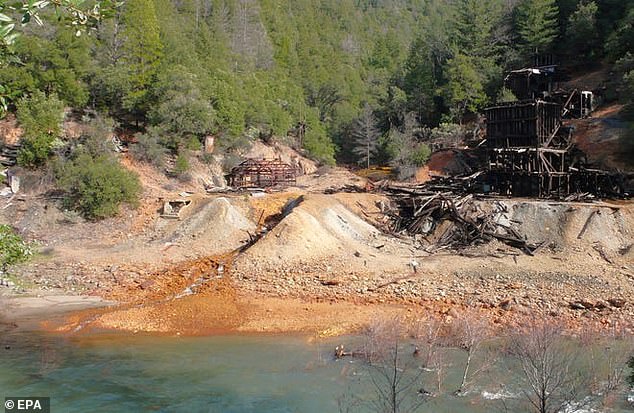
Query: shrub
[(193, 144), (41, 119), (96, 186), (97, 135), (149, 149), (506, 95), (181, 166), (13, 249), (421, 155), (207, 158)]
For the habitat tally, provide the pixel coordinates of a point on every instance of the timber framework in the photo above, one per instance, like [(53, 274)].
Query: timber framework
[(262, 173), (529, 148)]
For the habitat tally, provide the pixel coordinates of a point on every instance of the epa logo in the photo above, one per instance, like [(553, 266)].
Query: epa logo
[(27, 405)]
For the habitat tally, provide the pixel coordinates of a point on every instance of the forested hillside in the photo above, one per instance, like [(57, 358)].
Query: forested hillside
[(368, 78)]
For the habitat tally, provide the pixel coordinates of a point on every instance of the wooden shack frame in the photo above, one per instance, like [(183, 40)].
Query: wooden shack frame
[(262, 173)]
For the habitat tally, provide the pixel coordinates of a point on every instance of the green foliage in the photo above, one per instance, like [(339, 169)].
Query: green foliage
[(81, 14), (536, 22), (13, 249), (449, 134), (421, 154), (149, 149), (476, 22), (630, 364), (53, 65), (419, 81), (621, 40), (465, 90), (506, 95), (406, 152), (97, 185), (109, 85), (181, 165), (41, 118), (624, 69), (142, 50), (317, 142), (183, 114), (581, 32), (240, 70)]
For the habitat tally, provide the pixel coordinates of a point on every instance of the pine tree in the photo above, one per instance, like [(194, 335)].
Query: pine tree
[(581, 31), (536, 22), (419, 81), (464, 90), (475, 22), (141, 48), (366, 136)]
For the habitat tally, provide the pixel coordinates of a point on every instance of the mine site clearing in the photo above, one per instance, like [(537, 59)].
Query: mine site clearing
[(516, 223)]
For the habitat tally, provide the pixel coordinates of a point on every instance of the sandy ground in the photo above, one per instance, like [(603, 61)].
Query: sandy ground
[(29, 312)]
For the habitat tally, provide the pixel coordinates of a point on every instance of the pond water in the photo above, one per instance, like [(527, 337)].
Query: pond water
[(120, 373)]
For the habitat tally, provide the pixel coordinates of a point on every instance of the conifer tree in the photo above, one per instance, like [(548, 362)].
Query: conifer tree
[(537, 24), (142, 50), (465, 91), (581, 31), (475, 22), (366, 136)]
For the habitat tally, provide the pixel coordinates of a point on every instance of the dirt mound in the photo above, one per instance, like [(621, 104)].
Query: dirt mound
[(328, 177), (210, 226), (260, 150), (319, 227), (565, 226), (443, 162)]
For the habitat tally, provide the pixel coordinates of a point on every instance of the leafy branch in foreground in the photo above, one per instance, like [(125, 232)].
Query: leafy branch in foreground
[(80, 14)]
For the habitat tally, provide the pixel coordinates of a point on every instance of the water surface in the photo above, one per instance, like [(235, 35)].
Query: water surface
[(121, 373)]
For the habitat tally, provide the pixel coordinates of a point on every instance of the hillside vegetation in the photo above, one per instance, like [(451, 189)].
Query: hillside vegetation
[(370, 79)]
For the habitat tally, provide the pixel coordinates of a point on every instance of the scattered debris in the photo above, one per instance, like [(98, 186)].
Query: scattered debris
[(453, 219), (9, 154), (173, 208)]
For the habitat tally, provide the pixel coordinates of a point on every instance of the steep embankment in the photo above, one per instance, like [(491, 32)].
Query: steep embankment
[(601, 137)]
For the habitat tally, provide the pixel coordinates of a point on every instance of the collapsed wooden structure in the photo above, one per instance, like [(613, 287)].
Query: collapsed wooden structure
[(448, 219), (262, 173)]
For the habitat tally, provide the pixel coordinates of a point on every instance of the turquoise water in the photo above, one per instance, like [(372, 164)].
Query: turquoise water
[(111, 373)]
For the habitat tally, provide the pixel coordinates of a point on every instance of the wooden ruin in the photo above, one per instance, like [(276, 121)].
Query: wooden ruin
[(529, 149), (262, 173)]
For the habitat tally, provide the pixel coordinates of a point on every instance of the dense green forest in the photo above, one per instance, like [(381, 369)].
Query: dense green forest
[(369, 78)]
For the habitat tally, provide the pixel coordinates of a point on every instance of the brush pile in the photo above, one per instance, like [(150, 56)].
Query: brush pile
[(449, 219)]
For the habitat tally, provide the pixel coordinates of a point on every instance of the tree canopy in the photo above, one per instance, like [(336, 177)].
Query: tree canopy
[(177, 71)]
